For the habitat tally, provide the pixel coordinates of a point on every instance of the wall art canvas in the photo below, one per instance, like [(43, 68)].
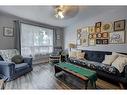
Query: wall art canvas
[(91, 42), (8, 32), (84, 36), (98, 24), (78, 42), (98, 27), (78, 33), (119, 25), (104, 41), (105, 35), (92, 29), (98, 35), (106, 27), (117, 37), (99, 41)]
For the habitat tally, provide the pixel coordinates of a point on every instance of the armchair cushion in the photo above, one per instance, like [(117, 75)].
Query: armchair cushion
[(20, 67)]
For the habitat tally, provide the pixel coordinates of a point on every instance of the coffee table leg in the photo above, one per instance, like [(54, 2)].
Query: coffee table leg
[(86, 84)]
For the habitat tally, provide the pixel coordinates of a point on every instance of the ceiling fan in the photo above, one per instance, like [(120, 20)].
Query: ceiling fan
[(64, 12)]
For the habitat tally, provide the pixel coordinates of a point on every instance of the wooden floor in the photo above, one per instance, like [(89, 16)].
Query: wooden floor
[(42, 77)]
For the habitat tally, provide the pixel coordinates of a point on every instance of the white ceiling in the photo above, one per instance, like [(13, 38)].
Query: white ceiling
[(44, 14)]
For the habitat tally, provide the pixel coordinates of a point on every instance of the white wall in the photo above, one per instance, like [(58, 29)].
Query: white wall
[(6, 42), (6, 20), (109, 16)]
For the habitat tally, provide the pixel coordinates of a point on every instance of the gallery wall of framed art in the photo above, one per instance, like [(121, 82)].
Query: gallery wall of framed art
[(102, 33)]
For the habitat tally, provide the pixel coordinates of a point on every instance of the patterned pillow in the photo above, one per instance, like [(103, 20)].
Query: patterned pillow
[(8, 54), (17, 59)]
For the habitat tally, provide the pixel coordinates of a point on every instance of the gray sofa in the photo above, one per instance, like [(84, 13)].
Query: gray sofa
[(10, 71)]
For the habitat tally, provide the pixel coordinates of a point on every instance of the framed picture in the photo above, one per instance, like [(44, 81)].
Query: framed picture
[(119, 25), (78, 42), (92, 29), (98, 29), (99, 35), (84, 36), (117, 37), (106, 27), (98, 24), (8, 32), (91, 42), (99, 41), (105, 34), (104, 41)]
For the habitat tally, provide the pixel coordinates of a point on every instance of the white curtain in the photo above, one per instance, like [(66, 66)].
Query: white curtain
[(35, 40)]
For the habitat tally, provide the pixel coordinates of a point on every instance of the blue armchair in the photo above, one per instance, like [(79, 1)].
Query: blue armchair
[(10, 71)]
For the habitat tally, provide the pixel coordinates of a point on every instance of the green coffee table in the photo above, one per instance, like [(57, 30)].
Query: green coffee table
[(80, 72)]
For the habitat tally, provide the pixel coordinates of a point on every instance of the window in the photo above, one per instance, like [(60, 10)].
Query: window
[(36, 40)]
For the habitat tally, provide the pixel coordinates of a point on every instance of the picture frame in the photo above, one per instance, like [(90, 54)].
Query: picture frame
[(78, 42), (91, 29), (91, 42), (98, 29), (8, 32), (107, 27), (105, 41), (99, 35), (97, 24), (99, 41), (105, 35), (117, 37), (119, 25)]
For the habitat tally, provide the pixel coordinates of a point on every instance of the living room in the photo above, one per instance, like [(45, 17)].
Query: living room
[(84, 46)]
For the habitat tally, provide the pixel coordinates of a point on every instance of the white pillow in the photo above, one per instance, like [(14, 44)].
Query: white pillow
[(80, 55), (119, 63), (122, 55), (72, 54), (109, 59)]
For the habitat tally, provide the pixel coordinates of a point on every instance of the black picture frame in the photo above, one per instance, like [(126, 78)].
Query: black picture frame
[(99, 41), (97, 24), (119, 25)]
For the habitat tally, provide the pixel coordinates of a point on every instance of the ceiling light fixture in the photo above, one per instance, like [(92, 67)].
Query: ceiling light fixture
[(59, 12)]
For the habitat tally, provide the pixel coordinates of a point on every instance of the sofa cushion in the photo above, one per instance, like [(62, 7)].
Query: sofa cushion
[(80, 55), (109, 59), (8, 54), (96, 66), (119, 54), (22, 66), (72, 54), (97, 56), (120, 63)]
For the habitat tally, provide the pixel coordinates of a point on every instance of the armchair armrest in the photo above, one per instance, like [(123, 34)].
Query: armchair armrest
[(28, 60), (7, 69)]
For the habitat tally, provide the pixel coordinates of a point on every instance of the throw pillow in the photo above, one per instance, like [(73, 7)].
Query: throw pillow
[(17, 59), (80, 55), (109, 59), (72, 54), (122, 55), (119, 63)]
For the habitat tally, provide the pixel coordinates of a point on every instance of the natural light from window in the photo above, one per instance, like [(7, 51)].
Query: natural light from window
[(36, 40)]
